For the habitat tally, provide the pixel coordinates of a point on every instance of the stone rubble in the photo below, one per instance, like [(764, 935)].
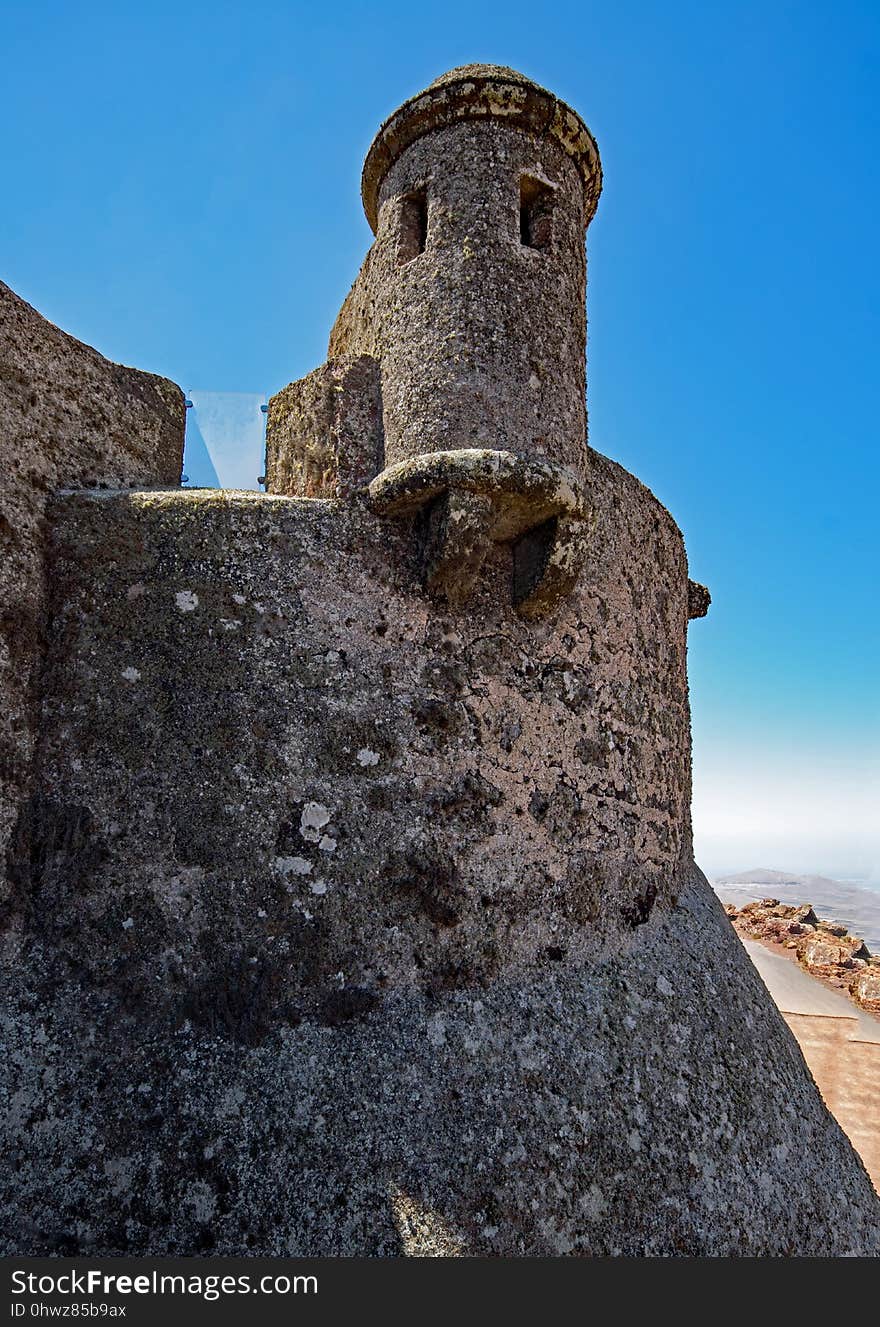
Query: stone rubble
[(824, 948)]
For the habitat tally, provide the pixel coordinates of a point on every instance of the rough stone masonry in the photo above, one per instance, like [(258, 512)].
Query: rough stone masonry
[(350, 902)]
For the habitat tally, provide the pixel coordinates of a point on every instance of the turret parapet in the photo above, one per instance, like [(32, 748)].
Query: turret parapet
[(479, 92)]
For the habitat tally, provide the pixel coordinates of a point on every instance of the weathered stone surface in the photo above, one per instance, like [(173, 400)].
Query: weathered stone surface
[(699, 599), (371, 866), (324, 433), (817, 953), (68, 417), (262, 656), (547, 561), (457, 543), (616, 1106), (865, 989), (523, 492)]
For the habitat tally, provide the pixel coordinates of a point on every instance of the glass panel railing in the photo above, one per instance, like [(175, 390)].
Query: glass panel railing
[(225, 442)]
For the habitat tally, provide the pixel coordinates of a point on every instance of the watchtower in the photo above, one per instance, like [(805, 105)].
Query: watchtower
[(479, 191), (471, 307)]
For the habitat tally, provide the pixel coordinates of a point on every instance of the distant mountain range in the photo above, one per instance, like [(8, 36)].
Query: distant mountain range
[(761, 876), (834, 900)]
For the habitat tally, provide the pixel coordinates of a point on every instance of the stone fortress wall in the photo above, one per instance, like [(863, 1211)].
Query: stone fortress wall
[(357, 839), (273, 662), (68, 418)]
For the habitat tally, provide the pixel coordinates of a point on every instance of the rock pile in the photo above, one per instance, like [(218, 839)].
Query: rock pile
[(824, 948)]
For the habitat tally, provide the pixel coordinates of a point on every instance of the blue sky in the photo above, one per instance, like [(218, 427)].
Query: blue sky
[(182, 192)]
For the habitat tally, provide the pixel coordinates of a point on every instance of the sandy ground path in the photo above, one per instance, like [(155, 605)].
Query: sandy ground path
[(796, 992), (840, 1043)]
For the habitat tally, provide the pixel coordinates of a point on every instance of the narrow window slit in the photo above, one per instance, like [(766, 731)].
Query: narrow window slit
[(535, 213), (413, 226)]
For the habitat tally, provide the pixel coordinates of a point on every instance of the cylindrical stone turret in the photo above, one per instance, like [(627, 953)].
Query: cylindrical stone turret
[(459, 353), (479, 190)]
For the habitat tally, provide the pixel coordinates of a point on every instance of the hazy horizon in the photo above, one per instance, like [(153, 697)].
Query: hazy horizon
[(871, 884), (812, 813)]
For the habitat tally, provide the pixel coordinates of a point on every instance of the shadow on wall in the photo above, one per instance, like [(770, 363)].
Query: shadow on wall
[(225, 440)]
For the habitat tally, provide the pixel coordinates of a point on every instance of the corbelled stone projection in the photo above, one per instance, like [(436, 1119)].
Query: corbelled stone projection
[(352, 902)]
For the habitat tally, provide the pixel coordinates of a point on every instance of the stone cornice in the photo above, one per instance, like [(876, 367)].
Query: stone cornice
[(475, 92)]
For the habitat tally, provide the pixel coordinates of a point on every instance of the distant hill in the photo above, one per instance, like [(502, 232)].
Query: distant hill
[(761, 876)]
